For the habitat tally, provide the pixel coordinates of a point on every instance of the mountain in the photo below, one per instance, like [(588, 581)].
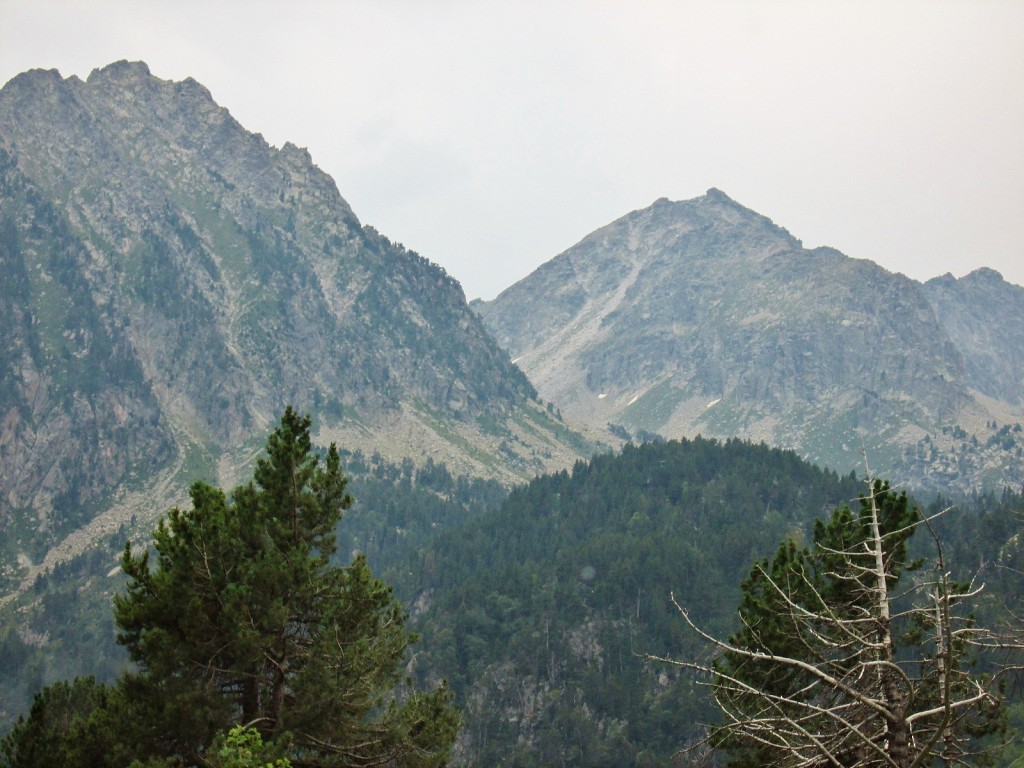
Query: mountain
[(703, 316), (171, 281), (984, 317)]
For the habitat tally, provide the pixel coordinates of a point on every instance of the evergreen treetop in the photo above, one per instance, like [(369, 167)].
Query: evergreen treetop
[(240, 619)]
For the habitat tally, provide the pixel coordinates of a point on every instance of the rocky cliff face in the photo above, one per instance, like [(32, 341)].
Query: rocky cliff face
[(171, 281), (704, 317), (77, 412), (983, 315)]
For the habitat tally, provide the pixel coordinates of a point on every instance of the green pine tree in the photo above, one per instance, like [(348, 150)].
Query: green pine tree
[(240, 618)]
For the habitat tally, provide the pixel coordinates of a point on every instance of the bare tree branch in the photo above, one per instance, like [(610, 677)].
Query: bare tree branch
[(821, 672)]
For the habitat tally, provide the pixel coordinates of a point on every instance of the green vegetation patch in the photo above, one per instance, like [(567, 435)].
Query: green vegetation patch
[(654, 407), (441, 426), (557, 429)]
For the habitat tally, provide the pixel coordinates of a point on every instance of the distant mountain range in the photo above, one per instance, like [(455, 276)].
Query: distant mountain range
[(703, 316), (171, 281)]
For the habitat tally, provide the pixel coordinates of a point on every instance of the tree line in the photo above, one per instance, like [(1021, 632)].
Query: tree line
[(250, 634)]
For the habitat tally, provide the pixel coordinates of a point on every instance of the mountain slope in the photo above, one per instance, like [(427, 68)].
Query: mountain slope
[(540, 613), (702, 316), (78, 413), (176, 281), (984, 317)]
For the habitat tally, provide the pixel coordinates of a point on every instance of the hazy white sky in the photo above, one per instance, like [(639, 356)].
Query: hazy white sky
[(491, 136)]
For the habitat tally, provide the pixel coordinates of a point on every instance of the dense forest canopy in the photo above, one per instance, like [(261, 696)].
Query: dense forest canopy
[(541, 606)]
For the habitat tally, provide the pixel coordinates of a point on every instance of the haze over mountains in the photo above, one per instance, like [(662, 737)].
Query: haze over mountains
[(171, 281), (703, 316)]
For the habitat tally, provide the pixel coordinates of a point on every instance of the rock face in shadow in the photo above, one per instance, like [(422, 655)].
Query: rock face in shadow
[(171, 281), (702, 316), (984, 317)]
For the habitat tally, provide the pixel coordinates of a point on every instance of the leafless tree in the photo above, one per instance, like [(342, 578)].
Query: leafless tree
[(841, 663)]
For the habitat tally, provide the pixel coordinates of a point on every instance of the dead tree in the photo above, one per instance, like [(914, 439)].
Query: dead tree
[(839, 662)]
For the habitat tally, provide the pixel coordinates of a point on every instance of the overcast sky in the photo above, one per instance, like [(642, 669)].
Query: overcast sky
[(489, 137)]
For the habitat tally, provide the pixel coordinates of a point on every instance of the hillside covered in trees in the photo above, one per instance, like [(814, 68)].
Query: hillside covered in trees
[(63, 625), (543, 615), (541, 608), (539, 615)]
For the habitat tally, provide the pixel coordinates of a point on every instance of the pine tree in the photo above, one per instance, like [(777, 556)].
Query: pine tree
[(68, 724), (240, 618), (244, 605)]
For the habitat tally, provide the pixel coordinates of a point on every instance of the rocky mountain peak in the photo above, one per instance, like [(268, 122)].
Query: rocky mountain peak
[(703, 316), (122, 74), (35, 80), (719, 198), (171, 281), (984, 318), (988, 276)]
